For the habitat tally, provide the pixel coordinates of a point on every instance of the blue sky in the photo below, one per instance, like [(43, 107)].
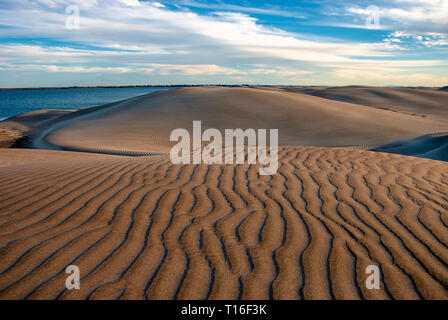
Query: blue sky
[(121, 42)]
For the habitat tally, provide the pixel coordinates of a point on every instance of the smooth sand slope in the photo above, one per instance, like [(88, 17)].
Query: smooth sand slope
[(423, 102), (432, 146), (140, 227), (143, 124), (414, 101)]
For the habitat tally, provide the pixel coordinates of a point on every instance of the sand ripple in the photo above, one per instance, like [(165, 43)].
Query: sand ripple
[(142, 228)]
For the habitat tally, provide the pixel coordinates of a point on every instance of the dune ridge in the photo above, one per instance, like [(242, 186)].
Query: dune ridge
[(431, 146), (142, 228), (421, 102), (142, 125)]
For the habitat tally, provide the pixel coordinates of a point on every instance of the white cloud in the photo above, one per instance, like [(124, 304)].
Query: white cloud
[(149, 38), (221, 6), (131, 3), (67, 69), (413, 15), (170, 31), (412, 40), (387, 78), (157, 5)]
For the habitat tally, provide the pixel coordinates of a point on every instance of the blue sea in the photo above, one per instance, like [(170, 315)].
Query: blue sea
[(14, 102)]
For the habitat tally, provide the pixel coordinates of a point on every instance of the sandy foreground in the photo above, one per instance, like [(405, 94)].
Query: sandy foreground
[(143, 228)]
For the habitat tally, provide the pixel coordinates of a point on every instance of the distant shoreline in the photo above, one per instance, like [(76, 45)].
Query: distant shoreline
[(130, 86), (445, 88)]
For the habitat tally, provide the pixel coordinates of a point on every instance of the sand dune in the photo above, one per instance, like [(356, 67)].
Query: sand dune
[(414, 101), (432, 146), (32, 122), (142, 125), (10, 138), (26, 157), (144, 228)]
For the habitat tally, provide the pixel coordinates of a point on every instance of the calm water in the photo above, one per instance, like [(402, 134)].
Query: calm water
[(14, 102)]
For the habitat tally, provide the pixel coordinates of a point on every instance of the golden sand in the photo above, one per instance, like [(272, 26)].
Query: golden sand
[(143, 228)]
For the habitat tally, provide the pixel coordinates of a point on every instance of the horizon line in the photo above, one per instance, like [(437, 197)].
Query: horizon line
[(207, 85)]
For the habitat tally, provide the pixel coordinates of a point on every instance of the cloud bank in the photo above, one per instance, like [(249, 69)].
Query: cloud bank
[(136, 42)]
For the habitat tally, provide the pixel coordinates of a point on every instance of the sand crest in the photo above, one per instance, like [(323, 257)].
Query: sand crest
[(143, 124)]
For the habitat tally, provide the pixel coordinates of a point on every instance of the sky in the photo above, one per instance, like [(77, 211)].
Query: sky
[(130, 42)]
